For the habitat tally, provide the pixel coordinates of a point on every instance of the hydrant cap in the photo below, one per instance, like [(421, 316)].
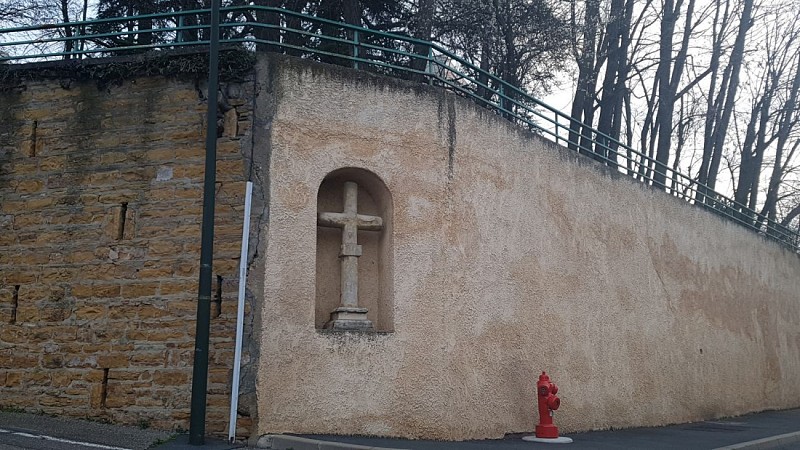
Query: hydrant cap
[(544, 377)]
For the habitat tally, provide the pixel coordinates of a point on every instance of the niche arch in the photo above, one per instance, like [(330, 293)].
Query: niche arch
[(375, 271)]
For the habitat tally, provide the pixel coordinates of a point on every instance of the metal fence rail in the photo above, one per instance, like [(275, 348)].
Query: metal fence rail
[(276, 29)]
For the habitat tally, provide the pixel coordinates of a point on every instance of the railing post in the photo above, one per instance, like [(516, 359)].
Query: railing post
[(429, 66), (179, 34), (355, 49), (76, 42), (500, 98), (556, 130)]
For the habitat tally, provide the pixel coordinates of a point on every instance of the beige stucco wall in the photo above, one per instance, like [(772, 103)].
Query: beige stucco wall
[(511, 256)]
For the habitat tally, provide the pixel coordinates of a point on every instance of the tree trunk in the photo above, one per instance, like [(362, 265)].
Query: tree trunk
[(270, 34), (69, 44), (788, 119), (583, 102), (294, 23), (422, 30), (669, 75), (735, 64), (609, 105), (712, 102)]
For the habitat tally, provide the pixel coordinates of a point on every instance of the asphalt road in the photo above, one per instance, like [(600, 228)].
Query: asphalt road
[(29, 441), (35, 432), (40, 432), (19, 431)]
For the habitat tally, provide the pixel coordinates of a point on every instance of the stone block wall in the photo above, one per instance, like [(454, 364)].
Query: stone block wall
[(100, 209)]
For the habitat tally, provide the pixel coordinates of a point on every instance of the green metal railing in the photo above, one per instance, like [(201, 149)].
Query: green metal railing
[(276, 29)]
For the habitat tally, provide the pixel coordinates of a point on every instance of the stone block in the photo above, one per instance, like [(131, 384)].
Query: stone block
[(137, 290), (113, 361), (158, 335), (34, 293), (138, 174), (110, 158), (186, 269), (61, 379), (106, 290), (97, 347), (151, 312), (52, 361), (219, 375), (163, 247), (230, 123), (51, 313), (13, 379), (64, 334), (37, 378), (191, 172), (118, 399), (81, 361), (149, 402), (52, 164), (126, 314), (12, 334), (96, 396), (155, 269), (178, 287), (8, 239), (229, 148), (189, 192), (57, 401), (25, 167), (28, 186), (57, 275), (190, 152), (19, 277), (161, 155), (94, 312), (231, 166), (118, 196), (98, 272), (168, 377), (93, 376), (28, 314), (148, 359)]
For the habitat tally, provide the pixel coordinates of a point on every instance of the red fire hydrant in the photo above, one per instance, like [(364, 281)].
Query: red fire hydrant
[(548, 402)]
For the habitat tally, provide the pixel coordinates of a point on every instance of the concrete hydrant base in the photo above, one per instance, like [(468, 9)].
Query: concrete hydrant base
[(558, 440)]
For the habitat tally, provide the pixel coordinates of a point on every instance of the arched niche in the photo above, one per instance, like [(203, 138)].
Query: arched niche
[(374, 264)]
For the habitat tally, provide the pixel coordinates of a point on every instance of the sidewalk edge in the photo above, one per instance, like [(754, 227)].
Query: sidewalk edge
[(764, 443), (285, 442)]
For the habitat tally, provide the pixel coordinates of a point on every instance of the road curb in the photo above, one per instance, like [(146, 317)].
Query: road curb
[(765, 443), (286, 442)]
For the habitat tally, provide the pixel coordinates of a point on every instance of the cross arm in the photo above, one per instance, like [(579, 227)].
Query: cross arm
[(372, 223), (339, 220)]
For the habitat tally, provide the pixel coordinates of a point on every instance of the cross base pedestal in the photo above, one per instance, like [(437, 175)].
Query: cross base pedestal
[(349, 318)]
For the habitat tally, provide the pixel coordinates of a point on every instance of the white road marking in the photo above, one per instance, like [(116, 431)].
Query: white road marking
[(63, 441)]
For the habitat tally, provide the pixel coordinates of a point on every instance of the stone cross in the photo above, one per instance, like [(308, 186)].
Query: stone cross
[(349, 316)]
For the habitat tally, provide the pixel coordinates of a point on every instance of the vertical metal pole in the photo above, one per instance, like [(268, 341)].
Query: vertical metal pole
[(429, 67), (197, 423), (501, 100), (237, 355), (179, 34), (355, 49)]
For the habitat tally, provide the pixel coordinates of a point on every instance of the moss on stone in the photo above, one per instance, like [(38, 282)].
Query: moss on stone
[(235, 64)]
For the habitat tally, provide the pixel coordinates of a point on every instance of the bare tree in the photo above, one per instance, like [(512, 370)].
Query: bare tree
[(719, 114)]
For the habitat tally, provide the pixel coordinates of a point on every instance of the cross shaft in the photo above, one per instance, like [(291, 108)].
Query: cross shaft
[(350, 222)]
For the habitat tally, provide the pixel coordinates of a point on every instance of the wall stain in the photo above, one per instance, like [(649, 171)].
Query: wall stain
[(451, 135)]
